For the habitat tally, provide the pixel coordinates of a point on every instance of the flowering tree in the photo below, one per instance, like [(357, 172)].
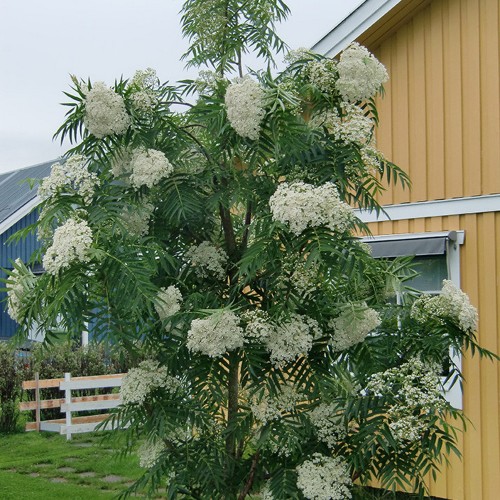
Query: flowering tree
[(221, 239)]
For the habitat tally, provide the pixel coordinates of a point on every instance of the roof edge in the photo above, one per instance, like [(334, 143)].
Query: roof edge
[(355, 24), (19, 214)]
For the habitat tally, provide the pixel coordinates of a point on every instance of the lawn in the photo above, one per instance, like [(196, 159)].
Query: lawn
[(44, 466)]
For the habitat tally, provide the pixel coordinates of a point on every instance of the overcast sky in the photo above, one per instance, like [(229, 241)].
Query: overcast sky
[(43, 42)]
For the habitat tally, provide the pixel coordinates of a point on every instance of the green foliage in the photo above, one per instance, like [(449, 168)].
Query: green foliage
[(13, 370), (189, 236)]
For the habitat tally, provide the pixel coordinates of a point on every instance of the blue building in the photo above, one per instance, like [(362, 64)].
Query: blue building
[(18, 204)]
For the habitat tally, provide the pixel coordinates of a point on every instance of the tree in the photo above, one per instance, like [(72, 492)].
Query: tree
[(221, 240)]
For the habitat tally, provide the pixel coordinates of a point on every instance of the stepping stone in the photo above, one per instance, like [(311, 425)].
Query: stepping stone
[(66, 469), (83, 445), (71, 459), (58, 480), (43, 465), (112, 479), (87, 474), (34, 474)]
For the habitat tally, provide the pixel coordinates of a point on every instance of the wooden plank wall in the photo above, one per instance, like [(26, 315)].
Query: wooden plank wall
[(440, 121), (477, 476), (440, 118)]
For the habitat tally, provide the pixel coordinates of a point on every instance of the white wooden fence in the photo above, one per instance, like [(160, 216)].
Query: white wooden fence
[(72, 425)]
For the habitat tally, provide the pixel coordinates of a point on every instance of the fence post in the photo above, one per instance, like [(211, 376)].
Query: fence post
[(67, 397), (37, 399)]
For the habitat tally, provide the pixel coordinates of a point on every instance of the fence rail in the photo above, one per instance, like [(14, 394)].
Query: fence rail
[(69, 404)]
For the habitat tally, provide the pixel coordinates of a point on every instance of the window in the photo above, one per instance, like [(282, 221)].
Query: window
[(437, 257)]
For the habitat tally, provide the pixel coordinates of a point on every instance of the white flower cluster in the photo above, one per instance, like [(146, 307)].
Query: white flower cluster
[(148, 167), (305, 278), (245, 107), (168, 302), (20, 281), (353, 325), (350, 126), (71, 242), (300, 54), (215, 335), (145, 79), (301, 205), (105, 112), (267, 408), (208, 80), (208, 260), (136, 218), (73, 174), (144, 84), (258, 326), (291, 339), (407, 427), (416, 390), (451, 303), (327, 420), (360, 74), (324, 478), (150, 452), (139, 382), (323, 75)]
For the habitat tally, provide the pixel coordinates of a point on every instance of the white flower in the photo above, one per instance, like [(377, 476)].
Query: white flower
[(105, 112), (245, 107), (168, 302), (18, 285), (150, 452), (71, 243), (415, 389), (300, 54), (327, 420), (144, 85), (215, 335), (292, 339), (301, 205), (148, 167), (324, 478), (73, 174), (322, 74), (136, 218), (141, 381), (267, 408), (353, 325), (208, 260), (145, 79), (258, 326), (451, 303), (360, 74), (351, 126)]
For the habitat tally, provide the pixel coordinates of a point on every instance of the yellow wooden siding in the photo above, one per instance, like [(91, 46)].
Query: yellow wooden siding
[(440, 117), (477, 475)]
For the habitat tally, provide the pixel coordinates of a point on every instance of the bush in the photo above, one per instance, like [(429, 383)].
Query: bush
[(13, 371), (52, 362)]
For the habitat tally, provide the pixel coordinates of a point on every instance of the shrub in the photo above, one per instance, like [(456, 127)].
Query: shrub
[(12, 372)]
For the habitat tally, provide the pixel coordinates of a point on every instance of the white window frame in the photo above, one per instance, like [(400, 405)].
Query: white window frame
[(454, 239)]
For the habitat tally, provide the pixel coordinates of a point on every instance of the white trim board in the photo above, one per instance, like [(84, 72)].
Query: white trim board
[(19, 214), (356, 23), (437, 208)]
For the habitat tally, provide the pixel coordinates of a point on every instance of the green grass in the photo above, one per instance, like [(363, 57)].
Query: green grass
[(31, 462), (34, 466)]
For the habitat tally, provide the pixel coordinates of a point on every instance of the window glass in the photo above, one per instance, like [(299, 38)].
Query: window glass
[(433, 270)]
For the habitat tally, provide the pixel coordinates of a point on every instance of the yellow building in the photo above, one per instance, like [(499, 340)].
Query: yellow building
[(440, 122)]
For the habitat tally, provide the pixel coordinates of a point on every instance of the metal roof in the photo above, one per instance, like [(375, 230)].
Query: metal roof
[(356, 23), (15, 191)]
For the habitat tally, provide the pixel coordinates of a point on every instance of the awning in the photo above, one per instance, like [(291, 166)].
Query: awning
[(418, 244)]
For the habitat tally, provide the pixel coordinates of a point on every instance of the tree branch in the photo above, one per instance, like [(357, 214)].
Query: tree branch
[(251, 477)]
